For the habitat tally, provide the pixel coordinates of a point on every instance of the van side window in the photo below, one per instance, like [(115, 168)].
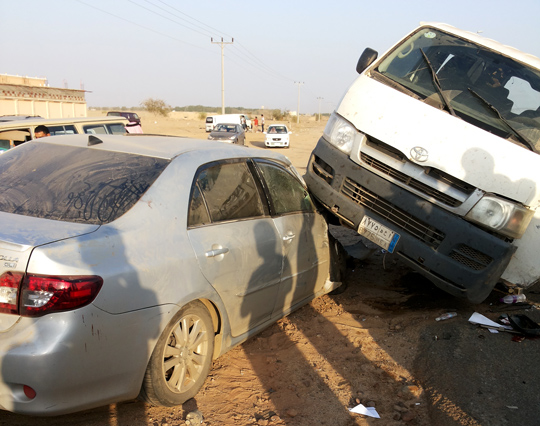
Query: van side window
[(95, 129), (63, 130), (116, 129), (105, 129)]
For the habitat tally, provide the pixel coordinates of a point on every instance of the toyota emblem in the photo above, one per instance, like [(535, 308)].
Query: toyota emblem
[(419, 154)]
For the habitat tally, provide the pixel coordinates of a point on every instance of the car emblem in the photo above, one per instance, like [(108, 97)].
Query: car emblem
[(419, 154)]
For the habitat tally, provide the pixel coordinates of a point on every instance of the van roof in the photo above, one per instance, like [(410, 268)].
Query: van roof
[(509, 51), (34, 121)]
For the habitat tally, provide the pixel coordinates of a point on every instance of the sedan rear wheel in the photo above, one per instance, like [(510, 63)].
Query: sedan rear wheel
[(181, 359)]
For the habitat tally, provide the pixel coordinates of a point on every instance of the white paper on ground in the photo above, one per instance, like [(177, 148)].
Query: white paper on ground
[(480, 319), (366, 411)]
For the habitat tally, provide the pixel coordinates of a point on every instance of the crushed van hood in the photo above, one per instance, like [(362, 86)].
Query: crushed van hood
[(454, 146)]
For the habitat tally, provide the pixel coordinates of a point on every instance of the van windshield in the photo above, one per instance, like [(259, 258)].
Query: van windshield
[(481, 86)]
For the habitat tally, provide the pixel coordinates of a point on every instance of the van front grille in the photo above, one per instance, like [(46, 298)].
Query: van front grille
[(409, 181), (417, 228)]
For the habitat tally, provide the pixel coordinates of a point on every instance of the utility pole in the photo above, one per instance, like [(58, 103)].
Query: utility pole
[(320, 99), (223, 43), (298, 103)]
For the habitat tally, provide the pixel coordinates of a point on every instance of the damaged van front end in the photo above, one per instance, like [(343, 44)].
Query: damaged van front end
[(433, 155)]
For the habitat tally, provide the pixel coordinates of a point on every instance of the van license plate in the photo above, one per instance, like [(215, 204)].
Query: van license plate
[(379, 234)]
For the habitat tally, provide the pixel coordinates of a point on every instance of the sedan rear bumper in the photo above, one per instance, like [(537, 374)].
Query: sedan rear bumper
[(76, 360)]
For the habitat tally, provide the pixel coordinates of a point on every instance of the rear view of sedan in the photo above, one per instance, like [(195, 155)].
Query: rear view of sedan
[(128, 265), (228, 132)]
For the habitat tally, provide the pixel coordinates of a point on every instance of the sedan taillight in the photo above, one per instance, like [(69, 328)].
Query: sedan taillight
[(37, 295), (9, 291)]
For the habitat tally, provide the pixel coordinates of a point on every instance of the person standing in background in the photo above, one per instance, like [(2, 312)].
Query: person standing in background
[(262, 123), (255, 125)]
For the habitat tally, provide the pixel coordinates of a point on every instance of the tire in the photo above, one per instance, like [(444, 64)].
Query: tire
[(178, 366)]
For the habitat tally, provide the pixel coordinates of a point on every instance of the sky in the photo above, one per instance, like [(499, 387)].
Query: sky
[(285, 55)]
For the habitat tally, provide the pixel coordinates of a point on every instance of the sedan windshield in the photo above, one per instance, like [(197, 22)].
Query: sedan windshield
[(74, 184), (481, 86), (231, 128)]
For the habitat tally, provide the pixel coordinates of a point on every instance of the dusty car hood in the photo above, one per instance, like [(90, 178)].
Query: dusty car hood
[(454, 146)]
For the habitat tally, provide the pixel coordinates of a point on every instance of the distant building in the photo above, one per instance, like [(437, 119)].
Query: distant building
[(32, 96)]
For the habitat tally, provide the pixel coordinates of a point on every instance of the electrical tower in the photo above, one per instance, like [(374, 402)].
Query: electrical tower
[(298, 103)]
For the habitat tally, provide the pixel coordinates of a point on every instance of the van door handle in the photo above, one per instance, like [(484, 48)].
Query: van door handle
[(217, 252)]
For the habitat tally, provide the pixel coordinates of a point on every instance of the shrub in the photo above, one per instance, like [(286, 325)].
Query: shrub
[(156, 106)]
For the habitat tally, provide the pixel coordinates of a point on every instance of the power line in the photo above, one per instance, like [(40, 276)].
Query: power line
[(142, 26), (196, 20)]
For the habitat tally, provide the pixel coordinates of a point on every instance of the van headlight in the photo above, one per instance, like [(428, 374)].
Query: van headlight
[(507, 218), (340, 133)]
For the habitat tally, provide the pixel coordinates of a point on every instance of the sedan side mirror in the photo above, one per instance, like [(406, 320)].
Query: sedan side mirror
[(367, 57)]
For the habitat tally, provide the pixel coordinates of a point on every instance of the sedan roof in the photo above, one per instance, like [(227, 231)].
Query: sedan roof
[(167, 147)]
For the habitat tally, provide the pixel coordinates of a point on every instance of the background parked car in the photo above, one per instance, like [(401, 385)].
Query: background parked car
[(228, 132), (134, 125), (129, 264), (277, 135)]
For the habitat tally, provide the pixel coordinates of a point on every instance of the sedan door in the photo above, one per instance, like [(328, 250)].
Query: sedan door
[(304, 236), (236, 243)]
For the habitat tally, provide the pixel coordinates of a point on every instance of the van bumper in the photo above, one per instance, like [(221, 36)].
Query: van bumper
[(455, 255)]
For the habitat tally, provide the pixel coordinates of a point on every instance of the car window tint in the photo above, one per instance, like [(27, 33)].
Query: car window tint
[(74, 184), (198, 215), (95, 129), (287, 193), (116, 129), (230, 192), (63, 130)]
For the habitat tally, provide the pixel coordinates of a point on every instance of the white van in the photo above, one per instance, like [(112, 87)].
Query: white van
[(15, 131), (433, 153), (213, 120)]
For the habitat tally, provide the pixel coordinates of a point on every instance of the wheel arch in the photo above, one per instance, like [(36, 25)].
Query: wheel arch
[(217, 324)]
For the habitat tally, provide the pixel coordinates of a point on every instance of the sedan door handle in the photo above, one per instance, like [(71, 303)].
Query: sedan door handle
[(289, 236), (217, 252)]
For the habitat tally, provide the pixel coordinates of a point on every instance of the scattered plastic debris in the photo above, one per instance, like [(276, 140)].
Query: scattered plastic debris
[(483, 321), (524, 324), (366, 411), (513, 298), (446, 316), (194, 418)]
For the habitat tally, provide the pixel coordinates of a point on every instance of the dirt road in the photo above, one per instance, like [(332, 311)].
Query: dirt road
[(377, 344)]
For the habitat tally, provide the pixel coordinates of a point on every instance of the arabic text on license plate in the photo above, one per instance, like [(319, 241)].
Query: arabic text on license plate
[(379, 234)]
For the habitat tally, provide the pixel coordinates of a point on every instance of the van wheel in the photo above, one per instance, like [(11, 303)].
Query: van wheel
[(181, 359)]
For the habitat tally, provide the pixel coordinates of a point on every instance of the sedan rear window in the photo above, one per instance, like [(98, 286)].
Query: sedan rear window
[(74, 184)]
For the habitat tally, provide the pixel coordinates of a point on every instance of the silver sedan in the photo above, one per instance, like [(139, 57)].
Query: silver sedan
[(228, 132), (129, 264)]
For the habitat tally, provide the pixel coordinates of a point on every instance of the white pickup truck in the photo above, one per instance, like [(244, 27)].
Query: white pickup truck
[(433, 153)]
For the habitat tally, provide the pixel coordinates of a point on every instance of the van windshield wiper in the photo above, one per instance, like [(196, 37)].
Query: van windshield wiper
[(523, 139), (437, 84)]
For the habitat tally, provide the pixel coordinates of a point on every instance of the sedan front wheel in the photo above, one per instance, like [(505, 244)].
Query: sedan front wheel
[(181, 359)]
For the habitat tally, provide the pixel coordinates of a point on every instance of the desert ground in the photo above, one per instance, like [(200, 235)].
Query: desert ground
[(376, 344)]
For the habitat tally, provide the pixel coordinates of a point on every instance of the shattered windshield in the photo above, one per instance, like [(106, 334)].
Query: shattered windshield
[(483, 87)]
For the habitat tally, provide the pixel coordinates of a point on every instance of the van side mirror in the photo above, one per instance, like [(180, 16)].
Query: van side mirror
[(367, 57)]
